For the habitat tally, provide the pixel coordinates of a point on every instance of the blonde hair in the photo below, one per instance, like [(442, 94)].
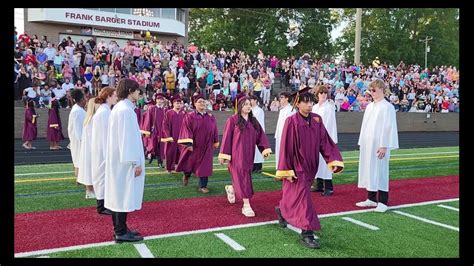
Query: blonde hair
[(91, 109), (378, 83)]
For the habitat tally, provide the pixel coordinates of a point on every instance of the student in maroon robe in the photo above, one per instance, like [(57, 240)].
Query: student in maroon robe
[(138, 111), (241, 133), (151, 129), (54, 132), (30, 129), (199, 135), (170, 132), (303, 138)]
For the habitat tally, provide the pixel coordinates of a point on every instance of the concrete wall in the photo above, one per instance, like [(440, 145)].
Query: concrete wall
[(346, 122)]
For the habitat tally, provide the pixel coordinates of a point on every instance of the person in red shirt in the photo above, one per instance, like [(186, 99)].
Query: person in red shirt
[(25, 38), (30, 57)]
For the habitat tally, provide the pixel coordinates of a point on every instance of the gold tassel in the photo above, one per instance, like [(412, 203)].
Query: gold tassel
[(236, 102)]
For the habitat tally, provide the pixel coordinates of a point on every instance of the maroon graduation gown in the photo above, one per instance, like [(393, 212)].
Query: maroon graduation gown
[(30, 130), (201, 131), (54, 130), (138, 111), (170, 134), (239, 148), (151, 127), (301, 143)]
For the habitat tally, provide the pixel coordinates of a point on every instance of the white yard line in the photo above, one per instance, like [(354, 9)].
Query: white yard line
[(144, 251), (427, 220), (266, 162), (448, 207), (229, 241), (214, 229), (371, 227)]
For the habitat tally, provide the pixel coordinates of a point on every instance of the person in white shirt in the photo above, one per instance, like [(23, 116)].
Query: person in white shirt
[(68, 86), (104, 79), (378, 136), (183, 83), (99, 130), (326, 110), (260, 116), (286, 110), (74, 130), (32, 93), (45, 95), (124, 162), (84, 174)]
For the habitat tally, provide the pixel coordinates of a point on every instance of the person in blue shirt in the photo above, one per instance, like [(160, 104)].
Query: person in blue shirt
[(41, 57), (210, 77)]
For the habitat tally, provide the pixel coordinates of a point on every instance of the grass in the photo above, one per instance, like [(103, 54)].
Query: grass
[(398, 237), (64, 194)]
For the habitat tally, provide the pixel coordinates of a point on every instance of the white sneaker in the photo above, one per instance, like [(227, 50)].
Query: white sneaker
[(230, 194), (381, 208), (90, 195), (247, 211), (366, 203)]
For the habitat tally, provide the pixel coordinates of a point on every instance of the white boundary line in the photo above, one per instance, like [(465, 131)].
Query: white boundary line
[(448, 207), (143, 250), (427, 220), (229, 241), (371, 227), (214, 229), (266, 162)]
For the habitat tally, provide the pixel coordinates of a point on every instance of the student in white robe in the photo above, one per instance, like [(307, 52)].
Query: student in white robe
[(378, 136), (326, 109), (84, 174), (100, 121), (260, 116), (74, 130), (124, 162), (286, 110)]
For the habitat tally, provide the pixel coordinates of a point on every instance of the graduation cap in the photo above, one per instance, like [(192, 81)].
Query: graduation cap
[(296, 96), (196, 98), (176, 98), (238, 99), (158, 96)]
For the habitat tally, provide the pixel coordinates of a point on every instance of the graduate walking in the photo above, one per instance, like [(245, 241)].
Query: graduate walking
[(170, 133), (378, 136), (285, 111), (124, 162), (199, 136), (151, 129), (242, 134), (54, 131), (74, 130), (99, 125), (30, 129), (304, 137), (325, 109)]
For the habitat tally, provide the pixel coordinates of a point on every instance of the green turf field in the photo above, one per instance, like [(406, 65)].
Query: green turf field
[(53, 187), (397, 237)]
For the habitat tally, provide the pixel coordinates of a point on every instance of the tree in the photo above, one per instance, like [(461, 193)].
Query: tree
[(250, 29), (393, 35)]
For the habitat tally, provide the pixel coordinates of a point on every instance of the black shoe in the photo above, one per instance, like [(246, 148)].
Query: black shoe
[(132, 232), (281, 221), (150, 160), (105, 212), (327, 192), (310, 242), (127, 237), (316, 189)]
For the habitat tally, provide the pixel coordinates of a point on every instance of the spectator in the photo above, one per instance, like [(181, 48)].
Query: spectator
[(32, 94), (45, 96), (96, 84), (275, 105)]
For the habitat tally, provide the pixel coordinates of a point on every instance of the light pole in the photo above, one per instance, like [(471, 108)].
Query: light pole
[(357, 36), (426, 49)]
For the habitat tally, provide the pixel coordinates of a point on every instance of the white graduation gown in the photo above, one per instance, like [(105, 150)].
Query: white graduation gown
[(124, 191), (328, 114), (284, 113), (260, 116), (379, 129), (100, 122), (74, 130), (84, 174)]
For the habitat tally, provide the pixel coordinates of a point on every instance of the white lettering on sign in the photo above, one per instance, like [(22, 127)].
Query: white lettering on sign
[(115, 20)]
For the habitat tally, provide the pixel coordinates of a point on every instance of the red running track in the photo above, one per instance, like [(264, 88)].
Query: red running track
[(70, 227)]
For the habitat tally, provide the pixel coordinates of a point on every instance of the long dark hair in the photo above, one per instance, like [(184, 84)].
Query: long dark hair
[(241, 122)]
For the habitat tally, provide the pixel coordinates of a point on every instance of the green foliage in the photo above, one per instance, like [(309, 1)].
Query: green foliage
[(393, 35), (250, 29)]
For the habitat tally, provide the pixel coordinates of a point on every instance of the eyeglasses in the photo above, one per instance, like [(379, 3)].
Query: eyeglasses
[(321, 92)]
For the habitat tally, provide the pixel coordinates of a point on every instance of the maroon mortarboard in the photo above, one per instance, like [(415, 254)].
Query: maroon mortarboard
[(158, 96), (297, 94), (176, 98), (238, 99)]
